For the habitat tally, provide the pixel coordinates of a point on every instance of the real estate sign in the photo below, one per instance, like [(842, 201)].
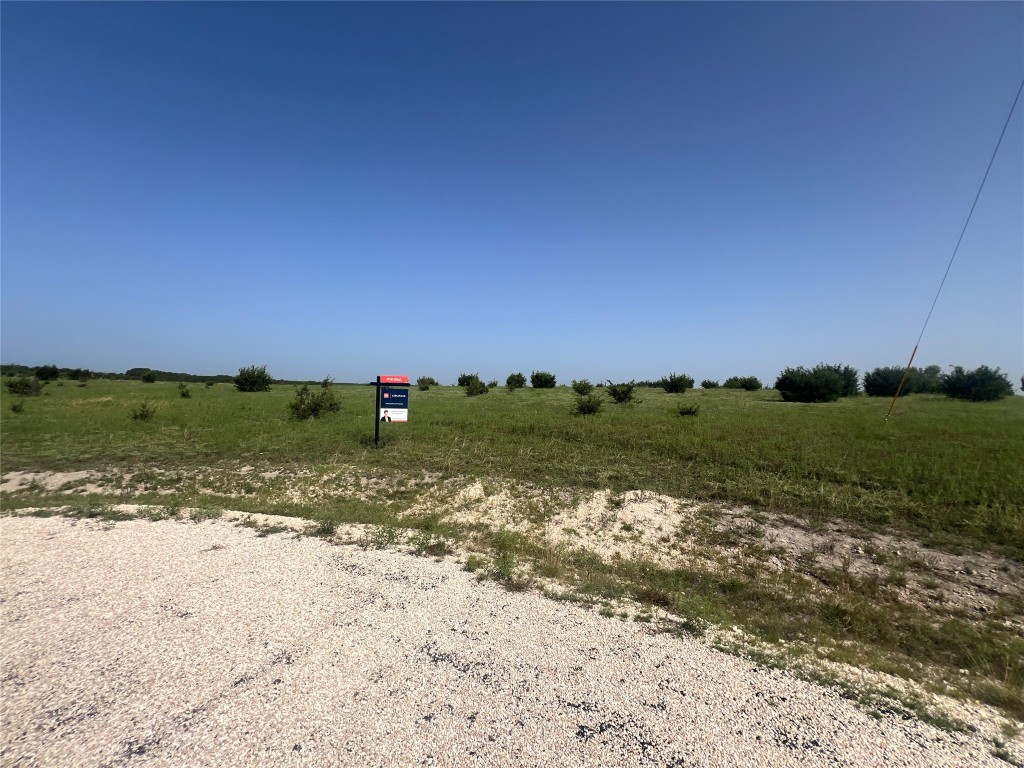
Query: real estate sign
[(393, 404)]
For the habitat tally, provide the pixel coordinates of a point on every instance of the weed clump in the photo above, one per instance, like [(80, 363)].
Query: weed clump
[(309, 404), (183, 390), (689, 410), (25, 386), (253, 379), (144, 411), (18, 406)]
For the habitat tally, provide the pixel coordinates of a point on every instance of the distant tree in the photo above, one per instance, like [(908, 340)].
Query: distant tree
[(542, 380), (709, 384), (515, 381), (47, 372), (473, 385), (426, 382), (821, 384), (253, 379), (979, 385), (749, 383), (676, 382), (149, 377), (467, 378)]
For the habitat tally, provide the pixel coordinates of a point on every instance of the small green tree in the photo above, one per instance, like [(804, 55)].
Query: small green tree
[(426, 382), (253, 379), (980, 385), (622, 393), (149, 377), (515, 381), (587, 404), (709, 384), (822, 384), (309, 404), (47, 373), (474, 386), (542, 380), (24, 386), (581, 386)]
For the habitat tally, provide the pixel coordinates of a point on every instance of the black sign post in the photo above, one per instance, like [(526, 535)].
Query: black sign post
[(391, 402)]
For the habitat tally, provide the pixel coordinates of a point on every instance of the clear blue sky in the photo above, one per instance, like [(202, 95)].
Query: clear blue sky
[(599, 190)]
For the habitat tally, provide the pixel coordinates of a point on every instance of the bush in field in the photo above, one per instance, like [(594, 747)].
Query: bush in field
[(821, 384), (883, 382), (18, 406), (542, 380), (492, 384), (748, 383), (587, 404), (47, 373), (144, 411), (980, 385), (25, 386), (79, 374), (582, 386), (689, 410), (148, 377), (209, 383), (426, 382), (676, 383), (622, 393), (183, 390), (312, 404), (472, 384), (253, 379), (709, 384), (515, 381)]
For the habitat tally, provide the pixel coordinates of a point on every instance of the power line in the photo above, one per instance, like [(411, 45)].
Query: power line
[(957, 248)]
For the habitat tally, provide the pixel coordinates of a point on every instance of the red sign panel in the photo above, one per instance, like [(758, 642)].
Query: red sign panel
[(385, 379)]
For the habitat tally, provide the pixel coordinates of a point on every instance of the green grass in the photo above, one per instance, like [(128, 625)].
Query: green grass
[(943, 469)]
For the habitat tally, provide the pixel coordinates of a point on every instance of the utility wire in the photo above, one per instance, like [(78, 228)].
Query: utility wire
[(949, 266)]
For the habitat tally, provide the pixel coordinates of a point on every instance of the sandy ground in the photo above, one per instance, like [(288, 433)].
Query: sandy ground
[(174, 643)]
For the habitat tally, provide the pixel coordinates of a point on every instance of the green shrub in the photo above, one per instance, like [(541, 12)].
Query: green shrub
[(622, 393), (426, 382), (688, 410), (883, 382), (47, 373), (492, 384), (587, 404), (582, 386), (676, 383), (822, 384), (542, 380), (79, 374), (209, 383), (310, 404), (149, 377), (709, 384), (515, 381), (472, 384), (980, 385), (749, 383), (18, 406), (183, 390), (144, 411), (24, 386), (253, 379)]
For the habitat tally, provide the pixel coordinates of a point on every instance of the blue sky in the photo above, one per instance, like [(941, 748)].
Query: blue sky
[(598, 190)]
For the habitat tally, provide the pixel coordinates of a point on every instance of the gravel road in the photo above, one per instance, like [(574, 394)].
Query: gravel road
[(169, 643)]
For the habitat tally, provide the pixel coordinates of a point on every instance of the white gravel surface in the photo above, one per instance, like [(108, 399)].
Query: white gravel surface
[(167, 643)]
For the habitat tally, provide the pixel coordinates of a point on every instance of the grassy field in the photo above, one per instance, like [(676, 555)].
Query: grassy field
[(896, 519), (948, 471)]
